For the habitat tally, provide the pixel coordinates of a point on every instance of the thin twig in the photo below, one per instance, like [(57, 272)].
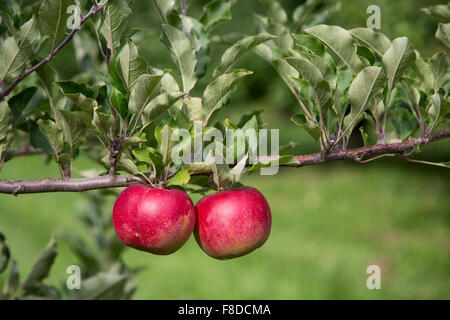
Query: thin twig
[(26, 73), (375, 158)]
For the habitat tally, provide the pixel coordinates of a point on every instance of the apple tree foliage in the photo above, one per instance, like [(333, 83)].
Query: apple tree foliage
[(122, 111)]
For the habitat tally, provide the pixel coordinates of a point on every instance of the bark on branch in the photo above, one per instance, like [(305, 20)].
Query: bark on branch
[(16, 187)]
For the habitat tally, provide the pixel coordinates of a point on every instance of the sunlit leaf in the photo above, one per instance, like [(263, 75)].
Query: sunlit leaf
[(180, 178), (310, 73), (397, 59), (216, 12), (130, 65), (143, 91), (41, 266), (53, 134), (376, 41), (182, 53), (236, 51), (114, 21), (367, 84), (340, 42), (218, 90), (80, 94)]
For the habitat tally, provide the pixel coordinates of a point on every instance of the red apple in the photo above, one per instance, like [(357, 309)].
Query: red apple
[(232, 223), (155, 220)]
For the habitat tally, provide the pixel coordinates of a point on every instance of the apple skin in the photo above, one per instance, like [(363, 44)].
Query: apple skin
[(154, 220), (232, 223)]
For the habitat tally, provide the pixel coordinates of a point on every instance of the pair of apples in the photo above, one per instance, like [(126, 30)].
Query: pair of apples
[(226, 225)]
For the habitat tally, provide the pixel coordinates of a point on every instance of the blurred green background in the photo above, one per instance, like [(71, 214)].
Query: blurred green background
[(330, 222)]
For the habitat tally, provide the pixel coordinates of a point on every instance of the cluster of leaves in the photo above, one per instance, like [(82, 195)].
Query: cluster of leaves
[(103, 273), (125, 114), (345, 80)]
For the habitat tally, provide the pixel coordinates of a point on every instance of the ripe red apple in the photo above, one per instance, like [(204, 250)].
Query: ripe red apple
[(232, 223), (155, 220)]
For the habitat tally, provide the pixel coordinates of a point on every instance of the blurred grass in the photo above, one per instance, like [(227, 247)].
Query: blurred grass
[(329, 223)]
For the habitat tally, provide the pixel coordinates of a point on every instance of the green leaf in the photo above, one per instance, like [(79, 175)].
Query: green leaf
[(251, 124), (441, 11), (4, 253), (23, 104), (143, 92), (119, 102), (41, 266), (237, 171), (236, 51), (150, 156), (275, 11), (310, 73), (397, 59), (73, 129), (215, 13), (9, 23), (439, 68), (180, 178), (283, 160), (29, 37), (182, 53), (39, 141), (53, 16), (310, 43), (300, 120), (340, 42), (114, 23), (303, 11), (160, 104), (376, 41), (26, 38), (368, 84), (53, 134), (195, 108), (200, 41), (80, 94), (425, 76), (102, 286), (11, 65), (114, 77), (82, 251), (322, 13), (435, 106), (47, 77), (103, 122), (128, 166), (12, 283), (364, 136), (134, 140), (219, 90), (366, 56), (166, 143), (6, 119), (164, 8), (443, 33), (130, 65), (221, 174)]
